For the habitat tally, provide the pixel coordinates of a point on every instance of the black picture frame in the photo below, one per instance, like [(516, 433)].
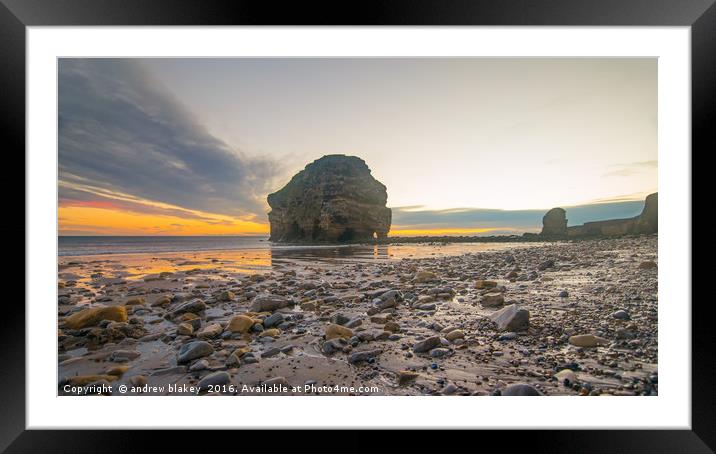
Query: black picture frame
[(700, 15)]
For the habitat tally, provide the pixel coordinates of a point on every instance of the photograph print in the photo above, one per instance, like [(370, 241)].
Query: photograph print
[(357, 226)]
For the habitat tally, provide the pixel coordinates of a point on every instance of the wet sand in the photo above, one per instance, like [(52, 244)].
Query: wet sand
[(408, 319)]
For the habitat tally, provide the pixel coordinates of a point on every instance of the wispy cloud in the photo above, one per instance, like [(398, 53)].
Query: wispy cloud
[(120, 131), (634, 197), (88, 199), (631, 168)]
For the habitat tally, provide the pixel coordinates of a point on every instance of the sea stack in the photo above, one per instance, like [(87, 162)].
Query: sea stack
[(554, 223), (334, 199), (648, 221)]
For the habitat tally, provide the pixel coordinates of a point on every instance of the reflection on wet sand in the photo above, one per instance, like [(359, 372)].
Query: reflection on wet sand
[(250, 261)]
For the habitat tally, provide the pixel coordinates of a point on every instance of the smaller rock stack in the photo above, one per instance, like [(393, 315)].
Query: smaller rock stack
[(554, 223)]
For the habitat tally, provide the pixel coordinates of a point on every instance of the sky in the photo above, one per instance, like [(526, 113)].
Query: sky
[(464, 145)]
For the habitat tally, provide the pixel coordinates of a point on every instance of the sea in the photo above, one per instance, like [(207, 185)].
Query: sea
[(71, 246), (106, 245)]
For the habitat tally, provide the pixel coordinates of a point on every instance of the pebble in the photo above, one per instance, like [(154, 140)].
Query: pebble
[(427, 344), (392, 327), (422, 277), (117, 370), (119, 356), (566, 374), (199, 365), (507, 336), (135, 301), (454, 335), (215, 379), (647, 265), (334, 331), (271, 352), (194, 350), (240, 324), (272, 332), (194, 306), (449, 390), (439, 352), (138, 380), (209, 331), (93, 316), (406, 376), (339, 319), (483, 284), (227, 295), (521, 389), (511, 318), (587, 340), (367, 355), (269, 303), (494, 299)]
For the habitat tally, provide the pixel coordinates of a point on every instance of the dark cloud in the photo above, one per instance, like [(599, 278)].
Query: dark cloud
[(121, 131), (525, 220)]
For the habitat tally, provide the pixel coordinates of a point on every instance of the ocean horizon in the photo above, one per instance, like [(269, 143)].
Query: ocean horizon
[(104, 245)]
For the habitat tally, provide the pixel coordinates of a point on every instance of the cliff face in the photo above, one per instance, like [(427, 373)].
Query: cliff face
[(335, 199), (611, 227), (646, 222)]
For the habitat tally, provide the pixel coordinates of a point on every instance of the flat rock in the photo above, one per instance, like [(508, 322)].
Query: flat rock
[(123, 355), (194, 306), (136, 301), (194, 350), (511, 318), (209, 331), (93, 316), (492, 299), (427, 344), (587, 340), (483, 284), (363, 356), (334, 331), (271, 352), (269, 303)]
